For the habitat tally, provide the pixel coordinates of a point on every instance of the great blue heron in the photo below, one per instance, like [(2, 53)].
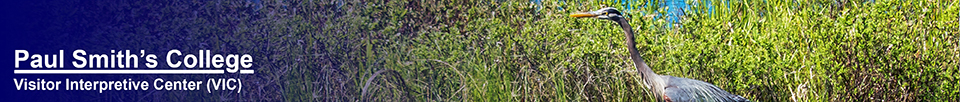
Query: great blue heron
[(669, 88)]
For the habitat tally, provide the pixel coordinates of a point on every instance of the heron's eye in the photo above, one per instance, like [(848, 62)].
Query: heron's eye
[(605, 13)]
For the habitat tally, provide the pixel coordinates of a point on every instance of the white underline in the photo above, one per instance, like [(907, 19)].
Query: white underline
[(246, 71), (221, 71)]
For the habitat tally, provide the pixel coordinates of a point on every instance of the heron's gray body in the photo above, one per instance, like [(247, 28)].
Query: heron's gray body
[(688, 90)]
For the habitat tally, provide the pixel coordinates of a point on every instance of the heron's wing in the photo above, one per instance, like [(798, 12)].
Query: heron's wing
[(689, 90)]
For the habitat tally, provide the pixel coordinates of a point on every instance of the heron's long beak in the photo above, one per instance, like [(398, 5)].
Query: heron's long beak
[(583, 14)]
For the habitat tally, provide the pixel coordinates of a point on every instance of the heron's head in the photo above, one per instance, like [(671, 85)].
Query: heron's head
[(608, 13)]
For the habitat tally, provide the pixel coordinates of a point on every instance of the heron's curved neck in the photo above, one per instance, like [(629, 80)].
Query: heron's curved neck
[(634, 53), (651, 79)]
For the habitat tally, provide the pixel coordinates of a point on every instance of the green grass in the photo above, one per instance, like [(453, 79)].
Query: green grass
[(454, 50), (510, 51)]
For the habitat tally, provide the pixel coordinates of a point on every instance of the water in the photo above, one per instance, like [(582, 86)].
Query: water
[(677, 8), (675, 11)]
